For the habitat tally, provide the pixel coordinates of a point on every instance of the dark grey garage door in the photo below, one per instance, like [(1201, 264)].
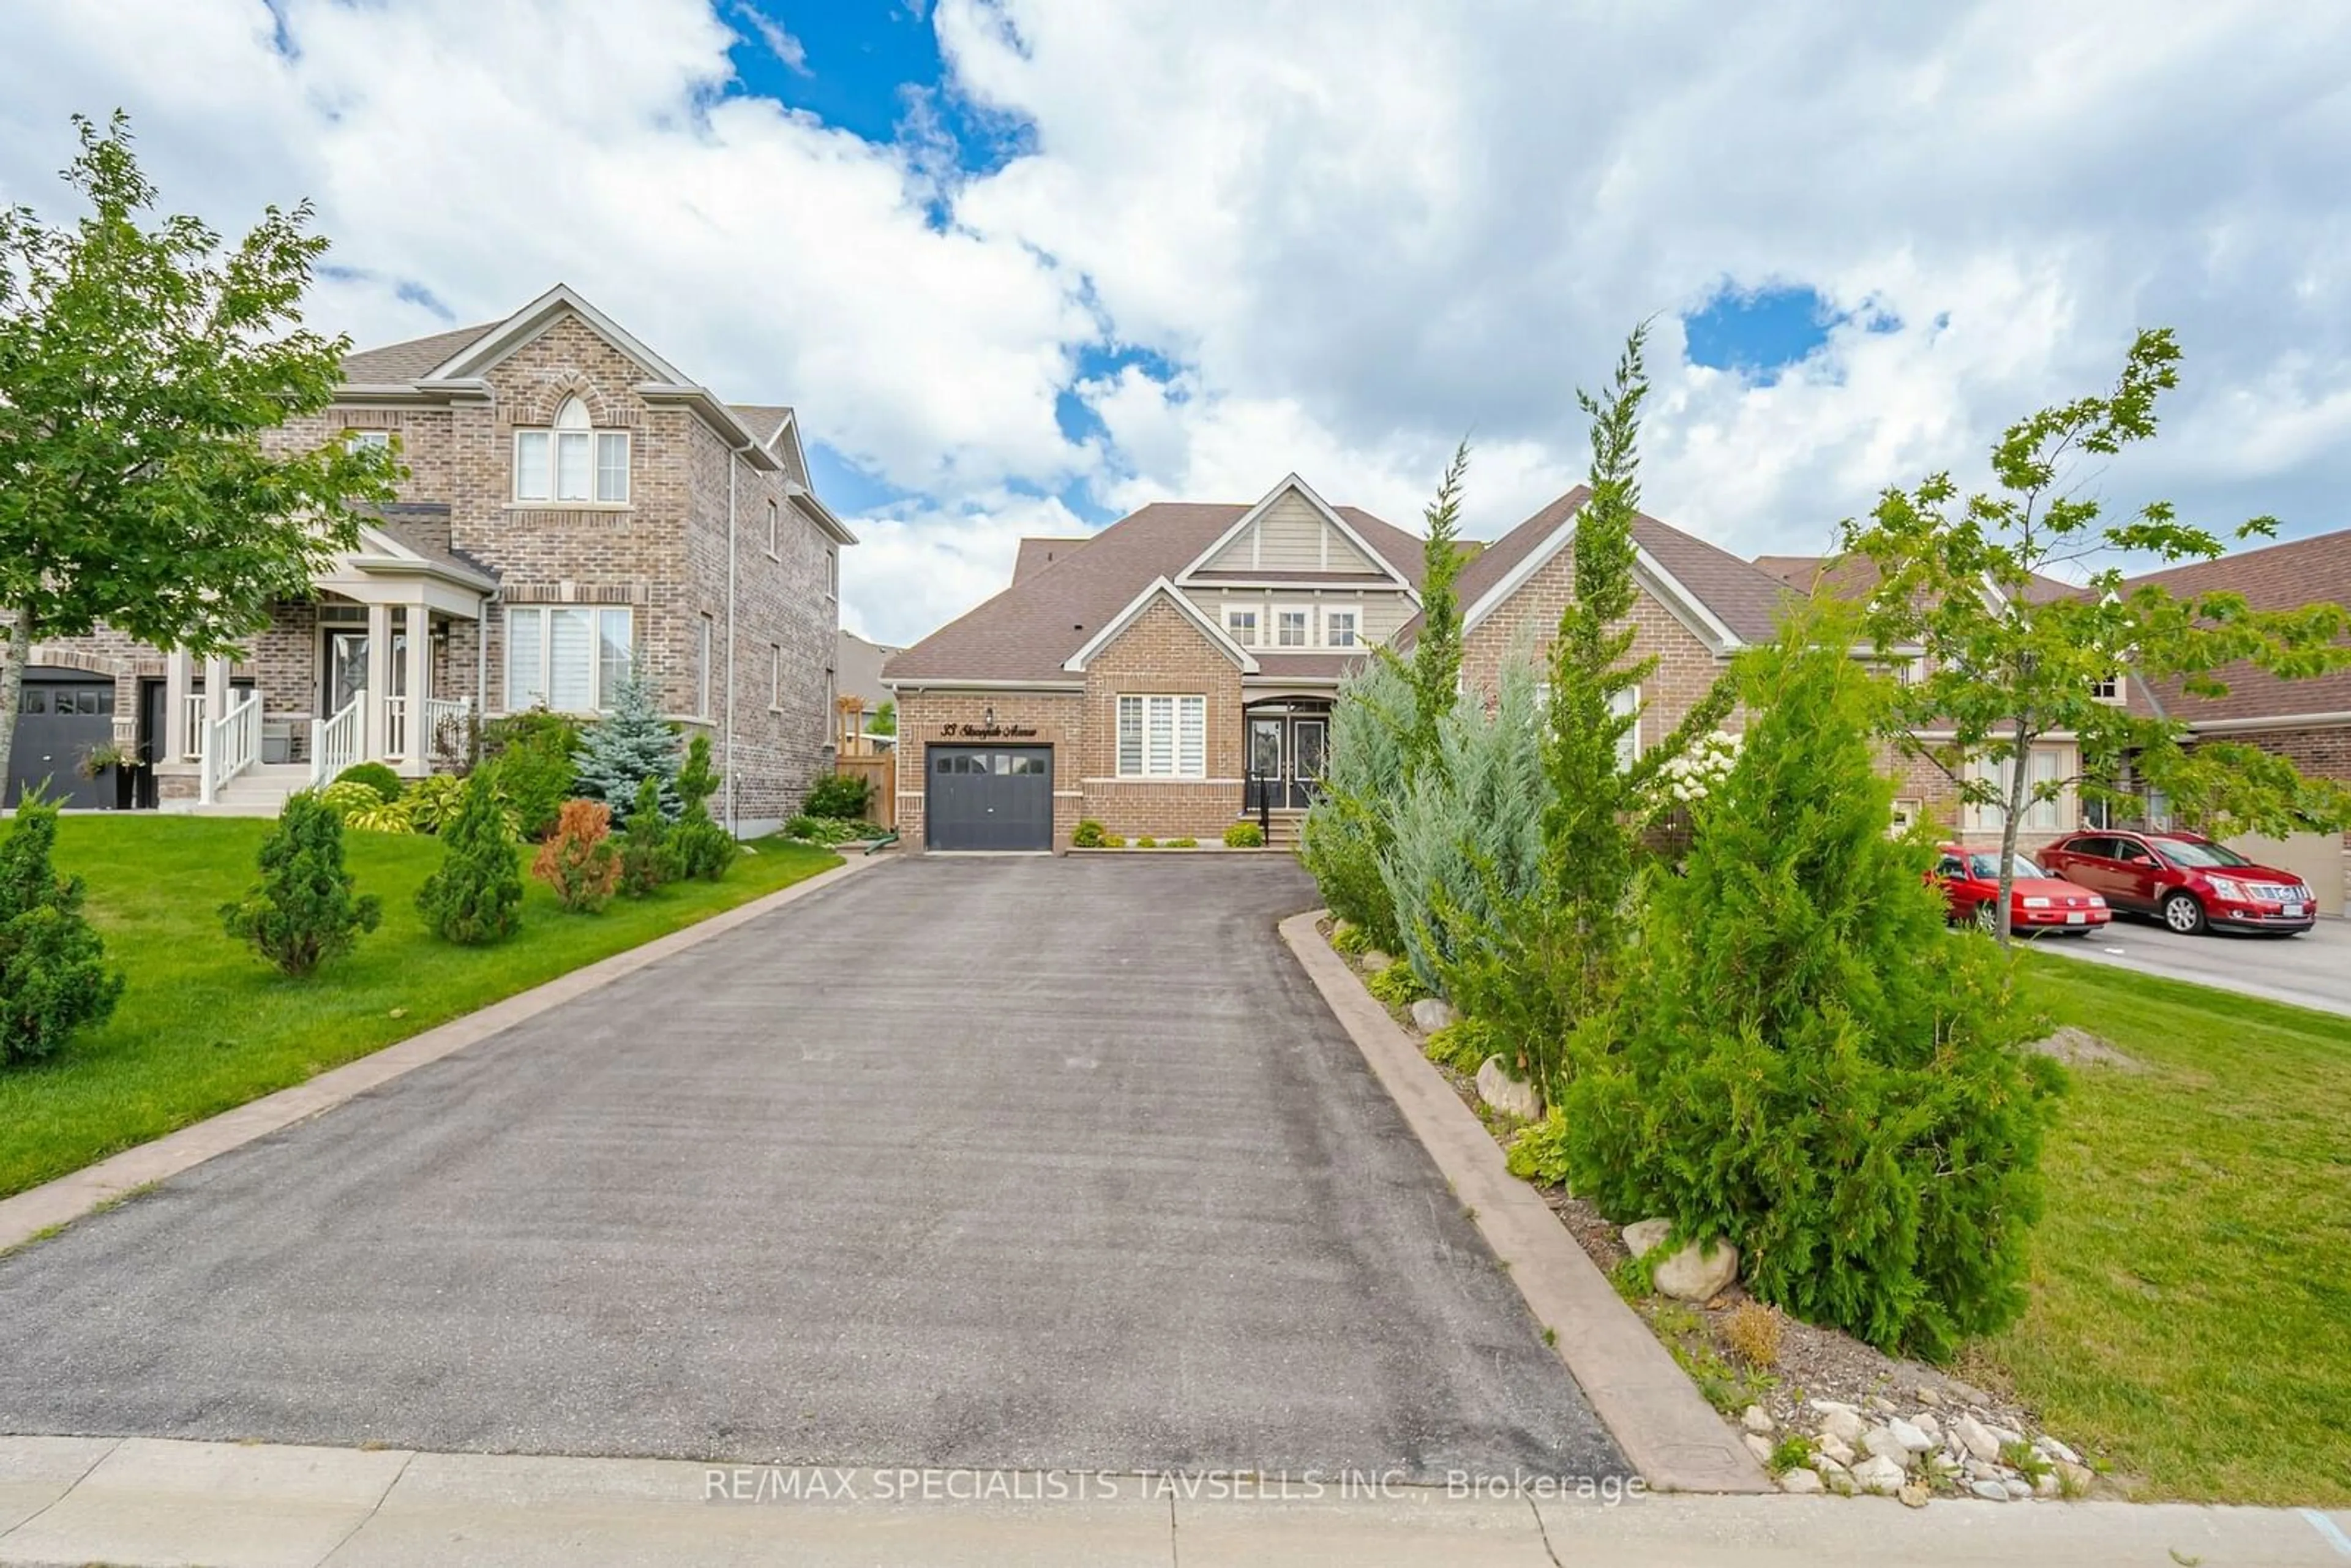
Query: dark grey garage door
[(66, 717), (990, 798)]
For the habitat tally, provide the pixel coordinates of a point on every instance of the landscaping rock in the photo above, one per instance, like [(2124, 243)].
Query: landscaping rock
[(2045, 1484), (1976, 1437), (1836, 1477), (1877, 1474), (1929, 1397), (1432, 1013), (1689, 1275), (1877, 1405), (1834, 1447), (1883, 1445), (2056, 1450), (2002, 1435), (1376, 961), (1914, 1495), (2018, 1488), (1925, 1421), (1991, 1491), (1506, 1093), (1802, 1481), (1843, 1423), (1759, 1446), (2075, 1481), (1978, 1471), (1908, 1435), (1755, 1419)]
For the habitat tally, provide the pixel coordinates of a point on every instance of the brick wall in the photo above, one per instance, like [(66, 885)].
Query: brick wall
[(2320, 751), (1525, 626), (926, 717)]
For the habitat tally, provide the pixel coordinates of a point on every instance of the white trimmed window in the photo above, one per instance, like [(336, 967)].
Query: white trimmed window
[(1289, 628), (1163, 737), (775, 675), (1629, 745), (1339, 628), (775, 529), (570, 658), (833, 571), (1242, 625), (368, 441), (572, 460), (2110, 690), (2044, 769)]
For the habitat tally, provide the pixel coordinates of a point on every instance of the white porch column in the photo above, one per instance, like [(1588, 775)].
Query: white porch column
[(216, 678), (378, 680), (179, 680), (419, 687)]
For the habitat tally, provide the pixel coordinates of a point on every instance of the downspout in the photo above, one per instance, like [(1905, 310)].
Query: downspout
[(482, 666), (726, 741)]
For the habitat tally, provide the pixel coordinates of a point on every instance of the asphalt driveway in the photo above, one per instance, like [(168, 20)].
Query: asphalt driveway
[(2312, 970), (1004, 1162)]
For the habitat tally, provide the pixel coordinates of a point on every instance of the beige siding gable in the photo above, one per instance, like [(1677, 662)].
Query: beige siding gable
[(1291, 534)]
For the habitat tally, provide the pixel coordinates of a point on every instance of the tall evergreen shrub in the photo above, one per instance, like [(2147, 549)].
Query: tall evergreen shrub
[(1803, 1060), (648, 858), (702, 848), (1346, 830), (474, 896), (304, 910), (53, 973), (1470, 830), (629, 745)]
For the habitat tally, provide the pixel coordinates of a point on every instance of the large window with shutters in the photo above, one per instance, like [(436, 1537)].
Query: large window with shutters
[(1163, 737), (570, 658)]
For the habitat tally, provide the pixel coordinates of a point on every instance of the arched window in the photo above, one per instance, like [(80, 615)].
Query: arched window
[(572, 460)]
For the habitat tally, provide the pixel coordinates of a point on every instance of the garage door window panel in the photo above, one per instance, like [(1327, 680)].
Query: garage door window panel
[(1163, 737)]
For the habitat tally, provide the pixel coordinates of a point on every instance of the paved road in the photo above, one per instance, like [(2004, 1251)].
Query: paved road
[(1004, 1162), (2313, 970)]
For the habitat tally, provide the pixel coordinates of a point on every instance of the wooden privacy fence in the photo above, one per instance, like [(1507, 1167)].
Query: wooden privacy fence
[(881, 776)]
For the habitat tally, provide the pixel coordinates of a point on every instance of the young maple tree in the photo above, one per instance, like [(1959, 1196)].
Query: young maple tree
[(2008, 657), (140, 367)]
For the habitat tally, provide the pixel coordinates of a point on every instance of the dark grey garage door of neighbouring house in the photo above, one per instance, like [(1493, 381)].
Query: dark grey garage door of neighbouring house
[(988, 798), (67, 715)]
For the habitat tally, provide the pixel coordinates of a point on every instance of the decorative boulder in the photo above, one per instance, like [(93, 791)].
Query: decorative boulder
[(1506, 1093), (1690, 1274), (1432, 1013), (1877, 1474), (1376, 961)]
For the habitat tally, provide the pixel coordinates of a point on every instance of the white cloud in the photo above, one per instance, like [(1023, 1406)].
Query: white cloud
[(1356, 234)]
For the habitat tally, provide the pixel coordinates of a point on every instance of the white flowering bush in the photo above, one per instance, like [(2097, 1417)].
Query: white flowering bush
[(1699, 771)]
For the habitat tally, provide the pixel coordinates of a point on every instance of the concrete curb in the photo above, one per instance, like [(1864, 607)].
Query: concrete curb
[(1669, 1431), (69, 1197)]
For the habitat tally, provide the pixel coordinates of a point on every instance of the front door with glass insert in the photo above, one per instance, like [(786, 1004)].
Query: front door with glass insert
[(347, 666), (1265, 786)]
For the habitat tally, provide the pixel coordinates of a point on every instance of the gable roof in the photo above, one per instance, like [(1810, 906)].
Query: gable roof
[(2275, 577), (410, 361), (1161, 588), (1030, 632), (1291, 484), (1729, 601), (1850, 578)]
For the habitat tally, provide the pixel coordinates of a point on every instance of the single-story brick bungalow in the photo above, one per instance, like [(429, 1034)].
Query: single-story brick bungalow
[(1175, 673)]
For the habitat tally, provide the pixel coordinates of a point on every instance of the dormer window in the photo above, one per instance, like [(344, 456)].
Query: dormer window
[(2110, 690), (573, 461)]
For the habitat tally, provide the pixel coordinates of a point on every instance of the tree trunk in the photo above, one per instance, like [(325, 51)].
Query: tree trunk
[(2010, 818), (12, 689)]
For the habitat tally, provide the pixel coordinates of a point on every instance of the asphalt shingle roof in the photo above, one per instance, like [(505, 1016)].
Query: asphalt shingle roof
[(413, 360), (2276, 577), (1028, 631)]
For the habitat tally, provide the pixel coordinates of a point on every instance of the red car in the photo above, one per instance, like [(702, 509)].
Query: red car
[(2186, 880), (2036, 901)]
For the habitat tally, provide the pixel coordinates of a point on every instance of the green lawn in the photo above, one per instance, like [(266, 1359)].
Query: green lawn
[(2191, 1313), (206, 1026)]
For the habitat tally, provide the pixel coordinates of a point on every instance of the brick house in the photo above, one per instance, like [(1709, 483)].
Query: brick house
[(576, 510), (1166, 676), (1177, 672)]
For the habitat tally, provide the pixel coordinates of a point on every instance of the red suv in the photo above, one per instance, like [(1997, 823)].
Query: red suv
[(2186, 879)]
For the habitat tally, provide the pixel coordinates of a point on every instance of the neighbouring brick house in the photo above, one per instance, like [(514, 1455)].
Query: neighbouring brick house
[(1175, 673), (576, 510)]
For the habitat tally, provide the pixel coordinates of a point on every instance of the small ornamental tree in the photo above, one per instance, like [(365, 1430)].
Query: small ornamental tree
[(2008, 657), (142, 365), (1436, 668), (885, 720), (1802, 1060), (532, 752), (648, 859), (53, 973), (303, 911), (1347, 829), (628, 746), (474, 896), (701, 848), (1469, 829), (1548, 953), (579, 861)]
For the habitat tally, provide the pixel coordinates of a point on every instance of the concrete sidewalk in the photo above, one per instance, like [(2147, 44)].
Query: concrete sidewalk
[(147, 1501)]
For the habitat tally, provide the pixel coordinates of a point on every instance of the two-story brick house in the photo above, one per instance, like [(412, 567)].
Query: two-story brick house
[(1176, 671), (576, 510)]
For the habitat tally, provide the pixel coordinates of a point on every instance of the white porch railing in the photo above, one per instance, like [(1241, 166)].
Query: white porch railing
[(337, 743), (395, 729), (191, 726), (231, 745), (445, 726)]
